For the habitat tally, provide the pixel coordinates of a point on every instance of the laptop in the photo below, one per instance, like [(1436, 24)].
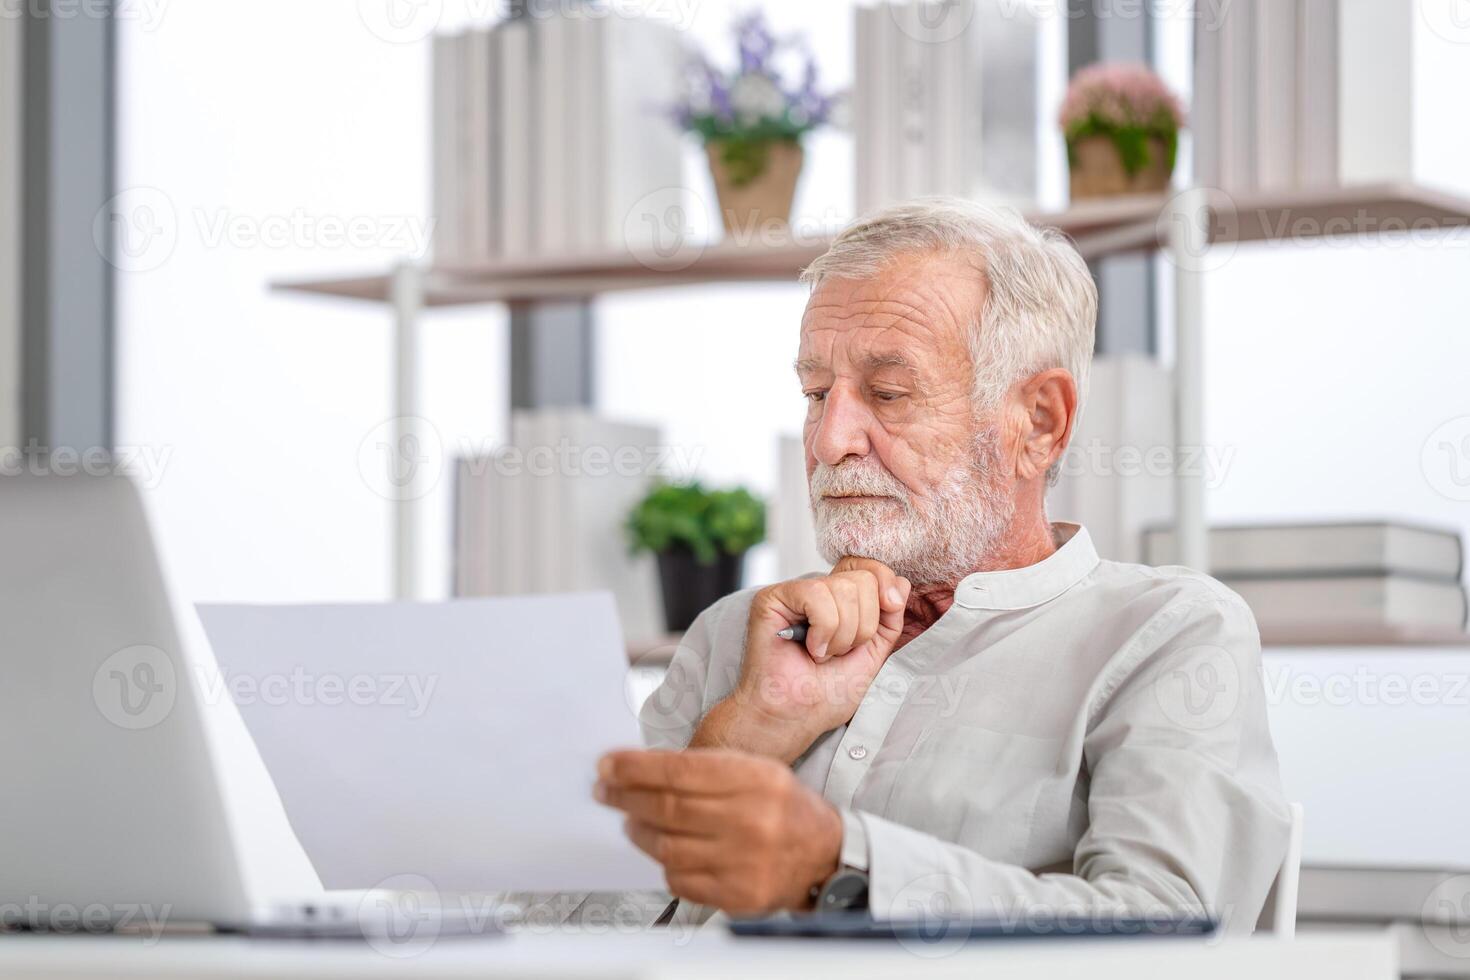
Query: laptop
[(113, 814)]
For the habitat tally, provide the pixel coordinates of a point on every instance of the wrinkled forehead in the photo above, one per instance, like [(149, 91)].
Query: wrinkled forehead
[(914, 315)]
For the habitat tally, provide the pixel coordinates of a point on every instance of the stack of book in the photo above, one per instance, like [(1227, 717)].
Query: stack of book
[(1292, 94), (1426, 909), (547, 130), (944, 101), (545, 513), (1338, 583)]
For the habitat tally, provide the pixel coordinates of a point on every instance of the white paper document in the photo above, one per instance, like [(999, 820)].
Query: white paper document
[(457, 741)]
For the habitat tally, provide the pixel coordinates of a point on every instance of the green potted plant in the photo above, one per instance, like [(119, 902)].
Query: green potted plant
[(699, 538), (752, 119), (1122, 127)]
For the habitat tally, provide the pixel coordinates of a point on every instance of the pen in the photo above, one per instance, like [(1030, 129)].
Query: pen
[(797, 633)]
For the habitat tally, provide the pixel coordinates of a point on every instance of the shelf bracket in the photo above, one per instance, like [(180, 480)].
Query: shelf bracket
[(1187, 242), (406, 292)]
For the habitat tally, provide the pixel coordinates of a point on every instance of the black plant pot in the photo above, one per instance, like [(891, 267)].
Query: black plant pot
[(689, 587)]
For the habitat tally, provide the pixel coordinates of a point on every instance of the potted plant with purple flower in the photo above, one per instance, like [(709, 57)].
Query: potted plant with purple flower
[(1122, 127), (752, 118)]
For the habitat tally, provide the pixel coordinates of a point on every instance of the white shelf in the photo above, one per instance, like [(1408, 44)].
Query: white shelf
[(1338, 635), (1100, 228), (1183, 226)]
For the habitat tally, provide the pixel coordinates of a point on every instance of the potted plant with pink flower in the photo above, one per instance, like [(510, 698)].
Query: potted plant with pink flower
[(752, 119), (1122, 127)]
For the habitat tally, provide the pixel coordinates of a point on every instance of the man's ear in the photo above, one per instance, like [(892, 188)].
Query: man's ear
[(1049, 401)]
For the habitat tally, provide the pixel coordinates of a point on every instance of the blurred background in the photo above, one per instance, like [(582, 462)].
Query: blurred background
[(424, 298)]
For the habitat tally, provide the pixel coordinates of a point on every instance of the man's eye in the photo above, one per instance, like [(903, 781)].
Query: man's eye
[(815, 396), (887, 396)]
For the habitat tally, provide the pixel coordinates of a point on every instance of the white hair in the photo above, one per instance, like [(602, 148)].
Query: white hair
[(1040, 307)]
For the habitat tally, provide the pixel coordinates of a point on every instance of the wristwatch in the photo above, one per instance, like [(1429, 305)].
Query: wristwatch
[(847, 889)]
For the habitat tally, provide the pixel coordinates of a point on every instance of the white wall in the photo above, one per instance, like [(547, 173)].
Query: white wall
[(255, 404), (1441, 58), (1329, 368), (10, 219)]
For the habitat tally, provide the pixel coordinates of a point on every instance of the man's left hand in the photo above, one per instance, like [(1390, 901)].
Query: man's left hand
[(732, 830)]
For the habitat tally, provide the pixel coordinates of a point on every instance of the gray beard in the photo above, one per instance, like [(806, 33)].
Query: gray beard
[(934, 541)]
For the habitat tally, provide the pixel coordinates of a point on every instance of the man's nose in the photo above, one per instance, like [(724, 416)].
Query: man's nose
[(843, 429)]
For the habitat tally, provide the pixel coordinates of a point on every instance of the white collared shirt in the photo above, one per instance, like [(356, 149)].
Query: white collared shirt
[(1073, 737)]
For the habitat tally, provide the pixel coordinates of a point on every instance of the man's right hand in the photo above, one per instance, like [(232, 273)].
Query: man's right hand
[(789, 694)]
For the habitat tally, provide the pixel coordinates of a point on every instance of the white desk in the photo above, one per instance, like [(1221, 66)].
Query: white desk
[(1348, 956)]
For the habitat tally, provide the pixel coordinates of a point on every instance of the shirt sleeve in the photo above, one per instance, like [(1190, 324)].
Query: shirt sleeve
[(696, 676), (1185, 810)]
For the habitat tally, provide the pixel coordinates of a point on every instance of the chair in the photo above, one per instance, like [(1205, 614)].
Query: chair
[(1279, 914)]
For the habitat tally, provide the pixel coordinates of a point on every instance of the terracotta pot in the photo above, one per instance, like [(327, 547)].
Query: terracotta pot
[(1097, 170), (756, 183)]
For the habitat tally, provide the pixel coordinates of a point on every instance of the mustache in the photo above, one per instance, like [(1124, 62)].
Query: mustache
[(859, 477)]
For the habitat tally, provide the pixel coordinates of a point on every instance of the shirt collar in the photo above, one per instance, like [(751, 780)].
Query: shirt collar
[(1032, 585)]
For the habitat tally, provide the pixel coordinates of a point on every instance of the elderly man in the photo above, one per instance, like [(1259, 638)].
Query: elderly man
[(984, 718)]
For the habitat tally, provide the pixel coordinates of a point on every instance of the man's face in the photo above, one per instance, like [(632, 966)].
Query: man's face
[(899, 467)]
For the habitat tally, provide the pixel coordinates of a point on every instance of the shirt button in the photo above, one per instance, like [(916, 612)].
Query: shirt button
[(858, 752)]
